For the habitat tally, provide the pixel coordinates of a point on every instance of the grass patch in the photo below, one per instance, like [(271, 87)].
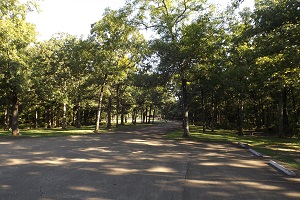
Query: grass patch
[(58, 132), (282, 149)]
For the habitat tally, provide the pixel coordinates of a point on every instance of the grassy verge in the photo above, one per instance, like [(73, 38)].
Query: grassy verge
[(282, 149), (57, 132)]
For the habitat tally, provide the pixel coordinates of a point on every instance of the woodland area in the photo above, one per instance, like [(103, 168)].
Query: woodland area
[(232, 68)]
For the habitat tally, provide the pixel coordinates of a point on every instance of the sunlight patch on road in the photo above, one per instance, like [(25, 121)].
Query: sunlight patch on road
[(148, 142), (292, 194), (84, 188), (15, 161), (52, 161), (5, 143), (161, 169), (5, 187), (121, 171), (204, 182), (98, 149), (259, 185)]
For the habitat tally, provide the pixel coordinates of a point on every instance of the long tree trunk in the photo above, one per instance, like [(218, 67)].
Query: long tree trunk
[(142, 115), (123, 114), (6, 119), (108, 126), (149, 117), (145, 115), (48, 117), (241, 116), (212, 115), (295, 112), (15, 115), (204, 111), (98, 117), (286, 123), (64, 120), (280, 115), (36, 118), (118, 105), (78, 120), (153, 116), (186, 132)]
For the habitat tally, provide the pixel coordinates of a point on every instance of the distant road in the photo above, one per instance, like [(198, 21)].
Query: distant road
[(136, 165)]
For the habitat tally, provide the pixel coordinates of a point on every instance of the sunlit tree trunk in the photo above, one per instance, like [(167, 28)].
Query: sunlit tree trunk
[(15, 115), (241, 116), (186, 132), (123, 115), (36, 117), (6, 119), (108, 126), (98, 117), (64, 120)]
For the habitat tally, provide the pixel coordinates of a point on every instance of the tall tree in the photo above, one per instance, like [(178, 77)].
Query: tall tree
[(15, 36), (276, 38), (114, 40), (167, 18)]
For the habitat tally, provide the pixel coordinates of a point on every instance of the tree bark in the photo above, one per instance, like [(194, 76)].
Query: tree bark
[(153, 116), (78, 120), (241, 116), (186, 132), (204, 112), (15, 115), (286, 123), (36, 117), (108, 126), (64, 120), (117, 106), (149, 117), (123, 114), (280, 115), (6, 119), (98, 117)]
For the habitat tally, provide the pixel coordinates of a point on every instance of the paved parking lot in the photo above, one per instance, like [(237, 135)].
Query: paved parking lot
[(136, 165)]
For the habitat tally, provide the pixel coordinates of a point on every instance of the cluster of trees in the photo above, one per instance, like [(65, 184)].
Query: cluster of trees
[(225, 69)]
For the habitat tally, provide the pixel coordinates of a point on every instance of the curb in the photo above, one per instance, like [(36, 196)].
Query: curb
[(256, 153), (271, 162), (241, 144), (281, 168)]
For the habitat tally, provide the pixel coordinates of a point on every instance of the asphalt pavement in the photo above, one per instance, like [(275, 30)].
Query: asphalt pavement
[(136, 164)]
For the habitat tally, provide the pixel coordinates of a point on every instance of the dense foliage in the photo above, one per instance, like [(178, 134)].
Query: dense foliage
[(236, 68)]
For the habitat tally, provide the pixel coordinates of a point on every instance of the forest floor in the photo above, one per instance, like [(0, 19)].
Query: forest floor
[(136, 163)]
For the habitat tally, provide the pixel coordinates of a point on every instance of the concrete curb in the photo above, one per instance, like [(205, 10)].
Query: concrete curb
[(256, 153), (271, 162), (241, 144), (281, 168)]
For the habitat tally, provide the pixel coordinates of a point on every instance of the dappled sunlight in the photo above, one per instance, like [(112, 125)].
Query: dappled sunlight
[(121, 171), (120, 166), (97, 149), (172, 155), (204, 182), (161, 169), (292, 194), (52, 161), (148, 142), (15, 161), (5, 143), (84, 188), (257, 185), (5, 187)]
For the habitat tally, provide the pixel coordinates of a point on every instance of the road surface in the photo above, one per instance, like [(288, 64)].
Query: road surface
[(136, 165)]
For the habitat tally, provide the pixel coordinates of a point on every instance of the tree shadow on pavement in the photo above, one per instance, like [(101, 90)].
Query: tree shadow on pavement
[(136, 164)]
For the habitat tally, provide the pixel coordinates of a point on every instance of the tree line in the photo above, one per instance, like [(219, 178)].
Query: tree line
[(232, 68)]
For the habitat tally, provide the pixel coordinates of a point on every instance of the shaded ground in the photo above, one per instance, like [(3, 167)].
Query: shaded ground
[(137, 165)]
